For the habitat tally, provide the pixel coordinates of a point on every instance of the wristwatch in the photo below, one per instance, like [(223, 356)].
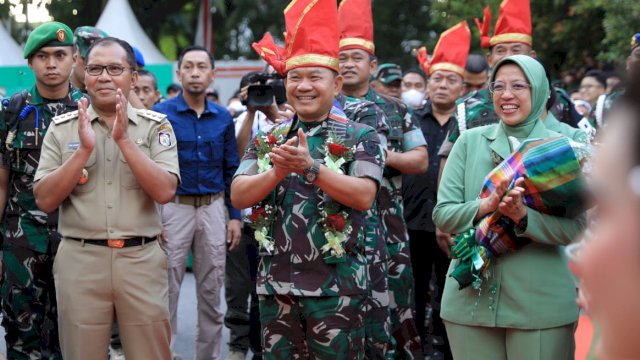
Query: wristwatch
[(311, 173)]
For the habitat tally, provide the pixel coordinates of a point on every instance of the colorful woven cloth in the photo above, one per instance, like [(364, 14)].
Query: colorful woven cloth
[(554, 184)]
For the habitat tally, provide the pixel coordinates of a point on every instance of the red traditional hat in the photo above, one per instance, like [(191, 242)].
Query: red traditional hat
[(513, 25), (312, 34), (356, 25), (270, 52), (451, 51)]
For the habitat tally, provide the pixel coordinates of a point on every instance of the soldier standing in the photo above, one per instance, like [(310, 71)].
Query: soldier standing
[(31, 236), (406, 154), (311, 201)]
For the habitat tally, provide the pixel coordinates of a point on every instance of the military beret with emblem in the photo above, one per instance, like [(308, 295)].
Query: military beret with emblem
[(48, 34), (85, 36), (635, 41)]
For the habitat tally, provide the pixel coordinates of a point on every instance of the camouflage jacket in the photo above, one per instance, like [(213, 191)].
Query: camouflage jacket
[(20, 143), (404, 135), (368, 113), (297, 265)]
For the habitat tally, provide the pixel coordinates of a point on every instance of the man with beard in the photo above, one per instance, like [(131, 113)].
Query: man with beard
[(31, 236), (201, 217)]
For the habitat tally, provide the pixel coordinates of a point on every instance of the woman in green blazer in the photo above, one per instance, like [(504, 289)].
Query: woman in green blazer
[(526, 309)]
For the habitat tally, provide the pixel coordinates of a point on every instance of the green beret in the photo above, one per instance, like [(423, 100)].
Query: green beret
[(48, 34), (87, 35)]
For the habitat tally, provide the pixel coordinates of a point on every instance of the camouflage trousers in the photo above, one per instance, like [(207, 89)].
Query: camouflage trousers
[(29, 304), (404, 334), (377, 322), (295, 327)]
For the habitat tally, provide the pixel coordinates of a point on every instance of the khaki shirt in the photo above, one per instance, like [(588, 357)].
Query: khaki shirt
[(111, 204)]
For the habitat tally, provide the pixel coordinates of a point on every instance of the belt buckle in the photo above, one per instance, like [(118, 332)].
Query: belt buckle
[(115, 243)]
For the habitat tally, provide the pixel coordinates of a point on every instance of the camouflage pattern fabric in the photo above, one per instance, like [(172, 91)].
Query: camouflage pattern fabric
[(25, 224), (30, 235), (297, 265), (401, 290), (29, 313), (404, 135), (377, 320), (296, 327)]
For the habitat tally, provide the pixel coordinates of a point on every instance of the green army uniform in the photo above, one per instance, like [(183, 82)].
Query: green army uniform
[(298, 283), (377, 320), (31, 237), (404, 135)]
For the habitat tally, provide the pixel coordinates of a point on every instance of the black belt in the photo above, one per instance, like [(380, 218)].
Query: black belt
[(117, 243)]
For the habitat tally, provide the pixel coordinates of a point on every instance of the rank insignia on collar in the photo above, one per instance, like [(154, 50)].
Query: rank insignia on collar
[(164, 138)]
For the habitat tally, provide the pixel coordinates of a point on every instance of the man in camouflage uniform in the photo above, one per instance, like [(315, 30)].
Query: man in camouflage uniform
[(312, 295), (377, 321), (30, 235), (406, 154)]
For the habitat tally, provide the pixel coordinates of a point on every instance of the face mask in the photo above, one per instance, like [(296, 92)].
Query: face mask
[(413, 98)]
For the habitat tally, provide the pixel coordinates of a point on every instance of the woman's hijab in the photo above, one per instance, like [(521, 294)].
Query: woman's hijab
[(537, 78)]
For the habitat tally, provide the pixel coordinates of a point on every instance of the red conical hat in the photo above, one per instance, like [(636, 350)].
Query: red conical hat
[(451, 51), (311, 37), (513, 25), (270, 52), (356, 25)]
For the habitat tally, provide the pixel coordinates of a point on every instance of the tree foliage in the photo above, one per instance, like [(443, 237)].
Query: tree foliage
[(565, 31)]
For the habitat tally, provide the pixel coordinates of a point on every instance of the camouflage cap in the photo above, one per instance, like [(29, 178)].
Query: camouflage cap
[(388, 73), (635, 41), (85, 36), (48, 34)]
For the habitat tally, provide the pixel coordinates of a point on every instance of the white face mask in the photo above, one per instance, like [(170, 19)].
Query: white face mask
[(413, 98)]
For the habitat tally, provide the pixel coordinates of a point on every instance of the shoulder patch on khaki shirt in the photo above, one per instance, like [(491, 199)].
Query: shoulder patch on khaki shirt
[(65, 117), (151, 115)]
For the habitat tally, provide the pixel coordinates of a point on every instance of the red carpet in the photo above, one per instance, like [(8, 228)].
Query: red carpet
[(584, 333)]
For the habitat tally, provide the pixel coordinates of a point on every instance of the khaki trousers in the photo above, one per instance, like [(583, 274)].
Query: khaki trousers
[(93, 282), (203, 230), (487, 343)]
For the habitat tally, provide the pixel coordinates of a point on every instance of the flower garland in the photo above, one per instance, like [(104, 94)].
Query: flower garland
[(260, 220), (336, 224), (263, 216), (337, 154), (264, 143)]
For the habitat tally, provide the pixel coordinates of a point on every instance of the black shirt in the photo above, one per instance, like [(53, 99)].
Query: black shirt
[(419, 191)]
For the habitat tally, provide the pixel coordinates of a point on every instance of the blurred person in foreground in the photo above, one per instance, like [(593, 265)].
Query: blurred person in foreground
[(609, 289)]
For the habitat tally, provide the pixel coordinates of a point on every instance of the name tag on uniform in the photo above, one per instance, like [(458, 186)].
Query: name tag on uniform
[(74, 145)]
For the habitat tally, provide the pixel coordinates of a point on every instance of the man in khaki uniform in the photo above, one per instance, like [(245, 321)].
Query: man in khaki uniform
[(107, 167)]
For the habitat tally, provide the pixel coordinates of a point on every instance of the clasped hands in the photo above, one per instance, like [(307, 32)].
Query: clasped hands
[(508, 202), (291, 158), (86, 133)]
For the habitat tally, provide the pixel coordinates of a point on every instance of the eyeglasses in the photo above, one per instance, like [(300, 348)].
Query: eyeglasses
[(113, 70), (497, 87)]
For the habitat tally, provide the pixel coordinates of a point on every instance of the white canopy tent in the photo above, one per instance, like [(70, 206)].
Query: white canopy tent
[(11, 51), (118, 20)]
